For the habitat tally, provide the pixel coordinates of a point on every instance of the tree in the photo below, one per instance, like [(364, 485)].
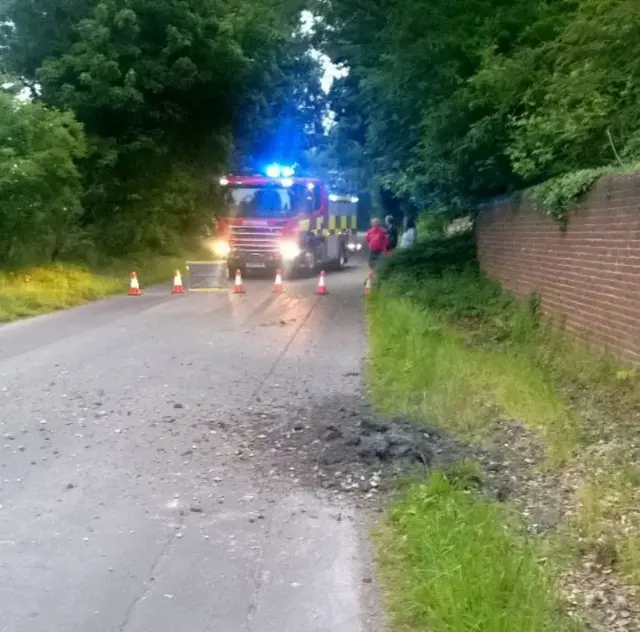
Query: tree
[(582, 109), (160, 87), (467, 99), (40, 185)]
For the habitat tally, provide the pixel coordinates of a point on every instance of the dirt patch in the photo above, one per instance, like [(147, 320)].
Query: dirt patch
[(341, 445)]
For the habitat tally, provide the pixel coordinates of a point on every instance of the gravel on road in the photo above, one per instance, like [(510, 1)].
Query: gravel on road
[(127, 499), (209, 462)]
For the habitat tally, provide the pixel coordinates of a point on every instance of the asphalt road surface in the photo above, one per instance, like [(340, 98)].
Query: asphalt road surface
[(126, 501)]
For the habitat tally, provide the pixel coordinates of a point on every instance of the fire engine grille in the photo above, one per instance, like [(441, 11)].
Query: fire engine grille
[(255, 238)]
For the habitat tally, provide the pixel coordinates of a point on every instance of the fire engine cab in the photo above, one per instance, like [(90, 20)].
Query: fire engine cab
[(278, 220)]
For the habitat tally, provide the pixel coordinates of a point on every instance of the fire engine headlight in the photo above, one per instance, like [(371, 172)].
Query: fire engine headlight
[(289, 250), (221, 248)]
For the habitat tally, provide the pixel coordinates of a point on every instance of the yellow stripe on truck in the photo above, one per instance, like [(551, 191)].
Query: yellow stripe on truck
[(335, 223)]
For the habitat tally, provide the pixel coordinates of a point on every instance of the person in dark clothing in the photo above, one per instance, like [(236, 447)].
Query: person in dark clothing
[(392, 233)]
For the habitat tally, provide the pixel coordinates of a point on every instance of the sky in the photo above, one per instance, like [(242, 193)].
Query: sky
[(331, 71)]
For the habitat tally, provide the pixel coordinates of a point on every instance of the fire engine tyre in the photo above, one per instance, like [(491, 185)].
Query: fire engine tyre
[(342, 259), (312, 262)]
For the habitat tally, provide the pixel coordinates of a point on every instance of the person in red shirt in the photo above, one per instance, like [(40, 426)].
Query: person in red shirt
[(378, 242)]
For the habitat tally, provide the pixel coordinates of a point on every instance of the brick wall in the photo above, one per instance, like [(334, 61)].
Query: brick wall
[(588, 276)]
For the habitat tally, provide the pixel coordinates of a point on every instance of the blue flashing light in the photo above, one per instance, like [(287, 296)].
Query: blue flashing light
[(287, 182), (278, 171), (273, 171)]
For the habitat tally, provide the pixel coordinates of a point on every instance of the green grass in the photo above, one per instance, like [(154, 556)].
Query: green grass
[(450, 348), (38, 290), (422, 367), (454, 562)]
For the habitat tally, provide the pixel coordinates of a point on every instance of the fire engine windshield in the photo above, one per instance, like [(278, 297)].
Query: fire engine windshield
[(266, 201)]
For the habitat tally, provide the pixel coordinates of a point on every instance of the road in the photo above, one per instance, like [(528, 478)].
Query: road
[(128, 502)]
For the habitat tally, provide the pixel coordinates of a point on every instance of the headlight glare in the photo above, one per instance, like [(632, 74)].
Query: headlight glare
[(221, 248), (289, 250)]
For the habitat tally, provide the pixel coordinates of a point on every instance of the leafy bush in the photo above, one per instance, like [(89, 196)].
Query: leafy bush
[(161, 88), (433, 256), (558, 195), (485, 97), (40, 185), (432, 223)]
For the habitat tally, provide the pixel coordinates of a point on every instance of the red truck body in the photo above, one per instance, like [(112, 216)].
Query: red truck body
[(286, 223)]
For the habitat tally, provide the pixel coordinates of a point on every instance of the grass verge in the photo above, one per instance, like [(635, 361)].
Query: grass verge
[(42, 289), (448, 346), (424, 367), (450, 565)]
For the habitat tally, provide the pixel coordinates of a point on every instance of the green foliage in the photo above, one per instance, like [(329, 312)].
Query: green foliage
[(37, 290), (429, 257), (449, 564), (560, 194), (453, 349), (40, 185), (464, 101), (166, 92), (432, 222)]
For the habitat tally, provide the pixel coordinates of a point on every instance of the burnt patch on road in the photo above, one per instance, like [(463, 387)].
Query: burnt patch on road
[(342, 444)]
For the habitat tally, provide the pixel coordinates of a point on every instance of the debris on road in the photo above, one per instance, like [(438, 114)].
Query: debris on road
[(343, 445)]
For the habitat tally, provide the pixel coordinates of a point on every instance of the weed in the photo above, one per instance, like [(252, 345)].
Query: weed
[(558, 195), (450, 347), (423, 367), (449, 564), (38, 290)]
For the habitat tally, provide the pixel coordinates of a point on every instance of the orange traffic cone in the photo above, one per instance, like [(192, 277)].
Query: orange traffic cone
[(177, 283), (277, 286), (322, 288), (367, 284), (134, 286), (238, 287)]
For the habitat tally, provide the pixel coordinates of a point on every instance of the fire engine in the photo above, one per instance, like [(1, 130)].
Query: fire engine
[(279, 220)]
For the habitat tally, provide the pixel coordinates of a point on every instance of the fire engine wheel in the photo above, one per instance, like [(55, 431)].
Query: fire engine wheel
[(312, 262), (342, 259)]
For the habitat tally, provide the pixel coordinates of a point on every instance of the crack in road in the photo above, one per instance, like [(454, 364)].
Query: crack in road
[(283, 351), (258, 578), (147, 584), (131, 424)]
